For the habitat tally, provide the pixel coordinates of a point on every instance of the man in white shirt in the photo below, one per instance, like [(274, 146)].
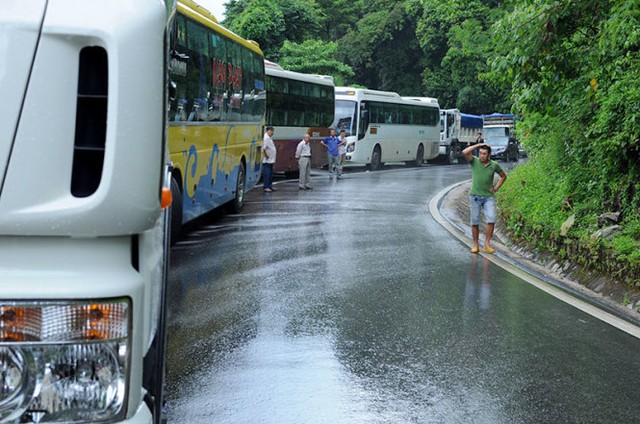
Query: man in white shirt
[(342, 151), (268, 159), (303, 154)]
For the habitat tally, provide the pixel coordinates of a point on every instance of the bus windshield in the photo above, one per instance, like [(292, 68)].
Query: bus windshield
[(346, 116)]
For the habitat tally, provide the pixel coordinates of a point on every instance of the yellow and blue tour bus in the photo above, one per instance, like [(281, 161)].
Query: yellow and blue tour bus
[(83, 183), (216, 115)]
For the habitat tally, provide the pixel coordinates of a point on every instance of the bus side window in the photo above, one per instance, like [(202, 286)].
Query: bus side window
[(219, 65), (364, 120), (259, 88), (178, 71), (199, 71), (234, 80)]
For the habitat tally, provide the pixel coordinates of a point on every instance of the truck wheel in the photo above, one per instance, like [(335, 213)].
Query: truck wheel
[(154, 365), (375, 159), (154, 376), (452, 154)]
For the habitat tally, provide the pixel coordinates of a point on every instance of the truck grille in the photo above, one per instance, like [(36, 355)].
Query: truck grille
[(91, 121)]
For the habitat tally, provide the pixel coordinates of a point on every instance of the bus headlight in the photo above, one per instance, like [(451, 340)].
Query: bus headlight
[(64, 362), (351, 147)]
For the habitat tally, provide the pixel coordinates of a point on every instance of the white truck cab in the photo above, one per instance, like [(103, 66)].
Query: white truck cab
[(457, 132), (82, 231)]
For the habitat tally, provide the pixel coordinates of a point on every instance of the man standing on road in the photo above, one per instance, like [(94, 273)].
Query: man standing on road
[(303, 154), (268, 159), (331, 143), (481, 195), (342, 151)]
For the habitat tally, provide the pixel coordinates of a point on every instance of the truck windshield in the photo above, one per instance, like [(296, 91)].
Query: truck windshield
[(497, 141), (495, 132), (346, 116)]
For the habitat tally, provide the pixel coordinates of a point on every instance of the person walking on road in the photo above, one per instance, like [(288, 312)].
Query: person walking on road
[(331, 143), (303, 154), (268, 159), (481, 195), (342, 150)]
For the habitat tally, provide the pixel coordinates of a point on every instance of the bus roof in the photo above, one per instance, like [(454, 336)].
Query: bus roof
[(202, 15), (273, 69), (344, 93), (352, 91), (382, 96), (423, 99)]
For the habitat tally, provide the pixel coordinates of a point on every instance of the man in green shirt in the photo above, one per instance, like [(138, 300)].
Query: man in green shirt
[(482, 191)]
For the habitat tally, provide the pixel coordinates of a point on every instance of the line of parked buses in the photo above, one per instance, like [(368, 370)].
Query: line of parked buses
[(223, 93)]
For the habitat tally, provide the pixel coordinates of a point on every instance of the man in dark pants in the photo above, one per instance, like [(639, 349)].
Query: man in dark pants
[(268, 159)]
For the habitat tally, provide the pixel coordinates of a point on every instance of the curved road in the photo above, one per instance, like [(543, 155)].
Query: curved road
[(349, 303)]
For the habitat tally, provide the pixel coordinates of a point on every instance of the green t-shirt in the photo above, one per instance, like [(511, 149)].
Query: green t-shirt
[(482, 177)]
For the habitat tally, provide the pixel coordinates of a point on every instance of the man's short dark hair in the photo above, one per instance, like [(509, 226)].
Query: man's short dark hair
[(485, 147), (269, 128), (343, 131)]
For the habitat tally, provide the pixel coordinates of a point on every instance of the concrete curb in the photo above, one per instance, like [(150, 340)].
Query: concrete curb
[(448, 209)]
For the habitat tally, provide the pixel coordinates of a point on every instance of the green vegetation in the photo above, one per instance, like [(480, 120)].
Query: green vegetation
[(570, 69), (574, 71)]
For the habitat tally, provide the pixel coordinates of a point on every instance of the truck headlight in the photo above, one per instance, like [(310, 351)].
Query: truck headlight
[(351, 147), (64, 362)]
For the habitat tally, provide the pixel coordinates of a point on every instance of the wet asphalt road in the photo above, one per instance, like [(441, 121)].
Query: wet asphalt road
[(350, 304)]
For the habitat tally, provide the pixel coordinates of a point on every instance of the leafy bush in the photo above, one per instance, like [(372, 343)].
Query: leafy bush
[(575, 79)]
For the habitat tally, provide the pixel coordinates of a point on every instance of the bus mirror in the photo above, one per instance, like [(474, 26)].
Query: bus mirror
[(364, 115), (173, 89)]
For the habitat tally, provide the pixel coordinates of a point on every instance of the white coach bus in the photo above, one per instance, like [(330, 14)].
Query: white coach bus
[(384, 127), (83, 182)]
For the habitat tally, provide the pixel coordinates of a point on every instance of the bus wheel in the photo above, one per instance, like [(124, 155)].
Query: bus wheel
[(375, 159), (236, 205), (420, 156), (176, 211)]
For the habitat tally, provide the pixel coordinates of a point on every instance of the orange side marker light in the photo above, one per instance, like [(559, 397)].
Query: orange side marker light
[(166, 198)]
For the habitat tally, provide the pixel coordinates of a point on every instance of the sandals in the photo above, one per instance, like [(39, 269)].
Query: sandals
[(484, 249)]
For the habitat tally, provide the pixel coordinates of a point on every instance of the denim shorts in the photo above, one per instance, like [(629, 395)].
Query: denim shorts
[(488, 204)]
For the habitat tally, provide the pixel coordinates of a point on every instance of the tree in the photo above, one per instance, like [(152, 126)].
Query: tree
[(574, 74), (383, 50), (339, 17), (455, 37), (271, 22), (315, 57)]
